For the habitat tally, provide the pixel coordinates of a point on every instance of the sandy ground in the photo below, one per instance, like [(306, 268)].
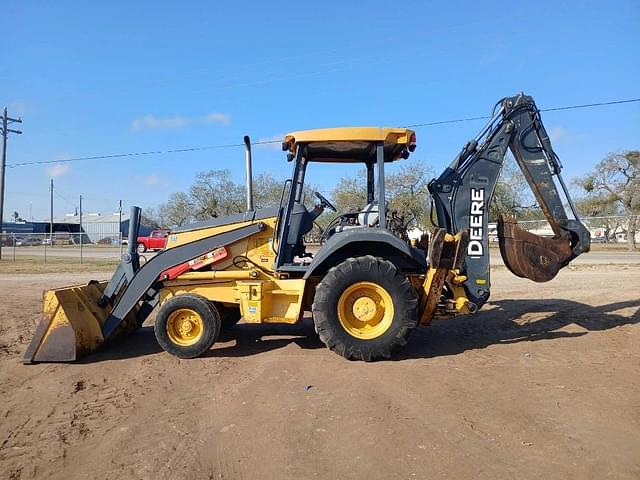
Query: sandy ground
[(543, 383)]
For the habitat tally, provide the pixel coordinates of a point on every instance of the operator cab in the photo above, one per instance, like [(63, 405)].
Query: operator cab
[(371, 146)]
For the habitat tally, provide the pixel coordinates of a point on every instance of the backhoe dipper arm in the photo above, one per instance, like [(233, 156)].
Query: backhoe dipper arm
[(463, 193)]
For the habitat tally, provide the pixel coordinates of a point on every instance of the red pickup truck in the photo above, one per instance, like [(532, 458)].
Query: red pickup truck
[(156, 240)]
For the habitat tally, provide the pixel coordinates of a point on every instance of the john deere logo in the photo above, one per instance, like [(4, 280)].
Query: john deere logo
[(476, 221)]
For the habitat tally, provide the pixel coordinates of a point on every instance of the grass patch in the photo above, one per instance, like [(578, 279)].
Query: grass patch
[(35, 264)]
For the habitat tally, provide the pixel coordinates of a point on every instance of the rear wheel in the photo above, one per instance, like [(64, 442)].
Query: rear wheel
[(365, 309), (187, 326), (142, 248)]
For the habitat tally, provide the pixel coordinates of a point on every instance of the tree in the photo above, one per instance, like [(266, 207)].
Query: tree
[(150, 219), (512, 194), (215, 194), (267, 190), (616, 180), (177, 211), (350, 194), (609, 219), (408, 193), (405, 190)]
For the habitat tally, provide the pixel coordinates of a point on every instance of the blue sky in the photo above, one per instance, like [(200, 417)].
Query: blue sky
[(92, 78)]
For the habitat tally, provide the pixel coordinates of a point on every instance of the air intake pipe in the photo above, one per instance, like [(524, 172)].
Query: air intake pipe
[(247, 158)]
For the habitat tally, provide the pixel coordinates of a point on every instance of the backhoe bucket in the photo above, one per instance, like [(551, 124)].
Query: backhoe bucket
[(71, 325), (530, 256)]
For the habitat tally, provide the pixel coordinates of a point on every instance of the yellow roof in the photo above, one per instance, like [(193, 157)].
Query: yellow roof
[(351, 144), (349, 134)]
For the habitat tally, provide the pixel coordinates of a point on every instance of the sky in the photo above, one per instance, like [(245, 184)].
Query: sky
[(100, 78)]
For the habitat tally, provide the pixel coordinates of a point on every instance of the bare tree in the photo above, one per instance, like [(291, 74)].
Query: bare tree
[(267, 190), (616, 180), (177, 211), (215, 194), (512, 194), (350, 193), (607, 213), (149, 218), (406, 192)]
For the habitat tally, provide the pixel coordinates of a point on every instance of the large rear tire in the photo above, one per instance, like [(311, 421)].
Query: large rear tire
[(365, 309), (187, 326)]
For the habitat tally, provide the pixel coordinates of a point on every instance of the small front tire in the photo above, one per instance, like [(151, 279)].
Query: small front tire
[(187, 326)]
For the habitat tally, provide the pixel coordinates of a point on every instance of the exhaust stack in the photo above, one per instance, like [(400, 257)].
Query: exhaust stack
[(247, 157)]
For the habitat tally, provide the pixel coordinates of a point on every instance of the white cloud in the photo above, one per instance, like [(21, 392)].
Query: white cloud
[(151, 121), (218, 117), (179, 121), (154, 179), (57, 170)]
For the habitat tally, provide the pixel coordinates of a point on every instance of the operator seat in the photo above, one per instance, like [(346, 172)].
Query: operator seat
[(300, 223), (369, 215)]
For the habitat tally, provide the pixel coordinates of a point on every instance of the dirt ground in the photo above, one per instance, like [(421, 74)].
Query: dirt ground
[(543, 383)]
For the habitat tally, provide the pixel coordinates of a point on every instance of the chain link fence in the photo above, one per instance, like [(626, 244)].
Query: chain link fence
[(76, 247)]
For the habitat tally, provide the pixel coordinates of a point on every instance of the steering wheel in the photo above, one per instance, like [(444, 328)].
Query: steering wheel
[(325, 202)]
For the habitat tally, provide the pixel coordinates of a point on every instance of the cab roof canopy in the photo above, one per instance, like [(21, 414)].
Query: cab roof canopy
[(350, 145)]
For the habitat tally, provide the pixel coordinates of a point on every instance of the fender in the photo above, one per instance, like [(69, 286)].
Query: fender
[(367, 241)]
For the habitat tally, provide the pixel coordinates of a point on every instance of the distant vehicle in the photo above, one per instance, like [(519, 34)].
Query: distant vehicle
[(598, 240), (6, 240), (63, 238), (108, 241), (156, 240), (29, 242)]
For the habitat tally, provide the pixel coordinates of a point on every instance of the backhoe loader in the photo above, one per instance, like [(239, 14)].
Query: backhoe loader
[(368, 287)]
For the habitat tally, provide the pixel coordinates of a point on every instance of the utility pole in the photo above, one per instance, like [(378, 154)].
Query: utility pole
[(80, 228), (6, 120), (51, 217), (120, 225)]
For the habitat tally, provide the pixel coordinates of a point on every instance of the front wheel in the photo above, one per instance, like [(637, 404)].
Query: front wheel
[(187, 325), (142, 248), (365, 309)]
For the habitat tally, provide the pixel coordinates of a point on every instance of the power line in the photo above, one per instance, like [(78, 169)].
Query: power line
[(555, 109), (62, 197), (135, 154), (265, 142)]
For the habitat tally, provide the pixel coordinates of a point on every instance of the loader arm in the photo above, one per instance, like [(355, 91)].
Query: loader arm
[(464, 191)]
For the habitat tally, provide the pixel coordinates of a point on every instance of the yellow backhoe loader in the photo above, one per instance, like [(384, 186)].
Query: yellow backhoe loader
[(367, 286)]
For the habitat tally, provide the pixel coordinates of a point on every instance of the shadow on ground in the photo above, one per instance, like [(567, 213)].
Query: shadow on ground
[(504, 322), (507, 321)]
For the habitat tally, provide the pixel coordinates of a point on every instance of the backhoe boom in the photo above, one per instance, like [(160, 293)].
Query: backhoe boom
[(463, 193)]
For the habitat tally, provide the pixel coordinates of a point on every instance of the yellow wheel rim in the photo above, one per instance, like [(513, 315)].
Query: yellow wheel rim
[(185, 327), (365, 310)]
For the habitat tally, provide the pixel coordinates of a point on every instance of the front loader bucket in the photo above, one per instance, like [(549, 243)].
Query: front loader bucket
[(530, 256), (71, 325)]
